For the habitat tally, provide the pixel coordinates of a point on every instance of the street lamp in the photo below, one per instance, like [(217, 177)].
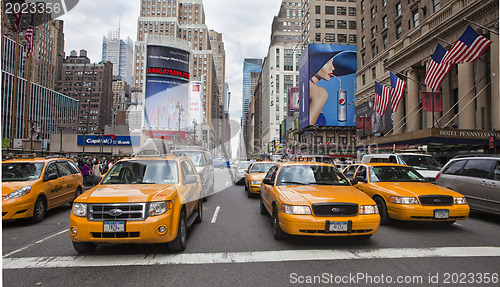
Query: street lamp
[(181, 110), (194, 131)]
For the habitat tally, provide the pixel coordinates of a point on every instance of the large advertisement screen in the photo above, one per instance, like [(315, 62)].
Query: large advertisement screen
[(293, 95), (327, 85), (167, 89)]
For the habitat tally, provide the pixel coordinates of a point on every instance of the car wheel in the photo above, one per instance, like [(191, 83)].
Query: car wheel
[(179, 243), (39, 210), (246, 187), (382, 209), (199, 218), (84, 247), (277, 232), (263, 210), (78, 192)]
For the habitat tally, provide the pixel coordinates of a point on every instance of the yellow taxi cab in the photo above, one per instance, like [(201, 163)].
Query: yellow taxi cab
[(311, 198), (255, 174), (401, 193), (31, 186), (150, 198)]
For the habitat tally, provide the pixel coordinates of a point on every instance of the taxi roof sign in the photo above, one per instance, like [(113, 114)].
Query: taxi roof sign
[(26, 156)]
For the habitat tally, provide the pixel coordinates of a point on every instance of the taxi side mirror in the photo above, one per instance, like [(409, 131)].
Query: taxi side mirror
[(267, 181), (190, 179), (245, 171), (354, 181), (360, 179), (52, 176)]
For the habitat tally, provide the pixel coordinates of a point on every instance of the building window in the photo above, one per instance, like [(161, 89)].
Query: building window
[(415, 18), (362, 5), (352, 38), (398, 9), (373, 11), (330, 138), (341, 11), (330, 37), (363, 42), (385, 42), (318, 23), (352, 25), (436, 4), (363, 79), (318, 37), (352, 11), (374, 73), (277, 58), (341, 24), (373, 51), (374, 30), (399, 31), (343, 139), (384, 22), (362, 24), (342, 38), (318, 9), (363, 59), (330, 24), (384, 3), (329, 10)]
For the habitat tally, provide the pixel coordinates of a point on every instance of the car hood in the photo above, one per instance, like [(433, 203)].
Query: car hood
[(311, 194), (257, 176), (117, 193), (414, 188), (8, 187), (428, 173)]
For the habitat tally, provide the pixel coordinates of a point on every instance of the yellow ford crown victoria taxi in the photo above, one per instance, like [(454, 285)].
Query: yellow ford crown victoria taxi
[(401, 193), (315, 199), (145, 199), (31, 186), (255, 175)]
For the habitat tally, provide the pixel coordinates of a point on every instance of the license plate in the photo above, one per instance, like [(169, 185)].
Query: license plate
[(441, 214), (114, 226), (338, 226)]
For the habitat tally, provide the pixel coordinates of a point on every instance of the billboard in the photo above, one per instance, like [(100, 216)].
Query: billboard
[(293, 96), (167, 87), (195, 107), (327, 79), (370, 122)]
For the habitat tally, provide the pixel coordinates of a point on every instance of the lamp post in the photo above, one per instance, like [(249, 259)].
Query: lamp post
[(181, 110), (194, 131), (61, 142)]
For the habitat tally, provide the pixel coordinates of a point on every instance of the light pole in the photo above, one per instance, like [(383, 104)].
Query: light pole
[(60, 145), (181, 110), (194, 131)]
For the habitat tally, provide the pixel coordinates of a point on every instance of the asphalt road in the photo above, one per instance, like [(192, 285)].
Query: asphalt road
[(235, 247)]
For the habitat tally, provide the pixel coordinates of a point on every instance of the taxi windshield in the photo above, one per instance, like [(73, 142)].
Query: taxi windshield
[(421, 162), (394, 174), (311, 175), (261, 167), (21, 171), (195, 156), (143, 172)]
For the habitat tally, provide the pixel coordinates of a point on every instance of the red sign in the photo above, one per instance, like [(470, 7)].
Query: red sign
[(492, 142), (427, 102), (168, 72)]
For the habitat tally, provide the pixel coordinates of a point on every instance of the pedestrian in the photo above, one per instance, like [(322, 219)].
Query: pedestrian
[(85, 172)]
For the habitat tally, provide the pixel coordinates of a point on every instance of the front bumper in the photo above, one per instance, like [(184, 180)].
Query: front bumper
[(17, 208), (255, 189), (135, 231), (317, 226), (426, 213)]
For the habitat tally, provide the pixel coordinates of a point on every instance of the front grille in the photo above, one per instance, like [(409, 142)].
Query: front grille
[(115, 234), (335, 209), (436, 200), (130, 211)]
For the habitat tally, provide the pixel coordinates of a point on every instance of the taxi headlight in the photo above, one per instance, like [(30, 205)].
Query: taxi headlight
[(295, 209), (18, 193), (159, 208), (80, 209), (368, 209), (403, 200), (460, 200), (255, 182)]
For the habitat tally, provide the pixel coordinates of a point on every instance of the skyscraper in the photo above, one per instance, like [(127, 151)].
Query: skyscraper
[(250, 66), (120, 53)]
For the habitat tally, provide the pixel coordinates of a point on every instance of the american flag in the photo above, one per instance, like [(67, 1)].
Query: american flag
[(437, 69), (398, 89), (30, 34), (17, 21), (382, 98), (468, 48)]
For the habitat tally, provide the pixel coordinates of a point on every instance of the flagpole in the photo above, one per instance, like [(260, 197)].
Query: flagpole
[(14, 95), (28, 99), (404, 76), (492, 31), (433, 119)]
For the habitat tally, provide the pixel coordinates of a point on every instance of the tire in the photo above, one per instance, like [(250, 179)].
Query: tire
[(263, 209), (382, 209), (199, 218), (39, 210), (78, 192), (277, 232), (84, 247), (179, 243), (205, 195), (246, 187)]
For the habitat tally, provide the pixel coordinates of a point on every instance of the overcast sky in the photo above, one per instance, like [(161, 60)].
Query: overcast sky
[(245, 25)]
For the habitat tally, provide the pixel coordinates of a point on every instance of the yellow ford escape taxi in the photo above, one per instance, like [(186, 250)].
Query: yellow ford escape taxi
[(151, 198), (308, 198), (31, 186), (255, 175), (401, 193)]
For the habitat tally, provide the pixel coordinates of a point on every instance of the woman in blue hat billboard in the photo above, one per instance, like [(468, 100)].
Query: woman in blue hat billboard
[(324, 66)]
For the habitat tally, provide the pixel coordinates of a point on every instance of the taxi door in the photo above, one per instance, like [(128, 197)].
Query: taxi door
[(363, 182), (266, 191), (69, 181), (53, 188), (191, 194)]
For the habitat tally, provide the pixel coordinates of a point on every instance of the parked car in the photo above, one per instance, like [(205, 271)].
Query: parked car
[(31, 186), (204, 166), (145, 199), (316, 199), (477, 178), (254, 176), (425, 164), (240, 170), (402, 193)]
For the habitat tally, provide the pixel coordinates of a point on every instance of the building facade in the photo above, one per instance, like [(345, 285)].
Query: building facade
[(121, 54), (249, 66)]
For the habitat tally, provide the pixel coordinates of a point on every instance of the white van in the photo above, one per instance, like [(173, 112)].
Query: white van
[(427, 166)]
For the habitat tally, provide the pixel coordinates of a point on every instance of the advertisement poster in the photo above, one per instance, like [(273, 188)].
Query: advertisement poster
[(167, 89), (195, 108), (327, 85), (377, 123), (293, 95)]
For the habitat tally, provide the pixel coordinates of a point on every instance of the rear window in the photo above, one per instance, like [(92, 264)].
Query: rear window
[(379, 159), (479, 168), (454, 167)]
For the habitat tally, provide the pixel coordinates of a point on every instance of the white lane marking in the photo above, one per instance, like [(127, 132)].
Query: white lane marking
[(246, 257), (32, 244), (216, 213)]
